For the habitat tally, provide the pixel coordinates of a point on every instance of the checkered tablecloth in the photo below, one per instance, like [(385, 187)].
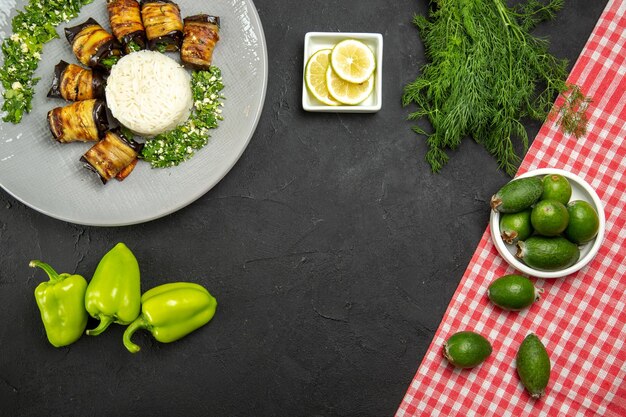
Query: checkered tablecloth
[(581, 318)]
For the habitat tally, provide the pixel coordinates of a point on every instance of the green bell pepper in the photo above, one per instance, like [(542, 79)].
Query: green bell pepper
[(171, 311), (114, 293), (61, 302)]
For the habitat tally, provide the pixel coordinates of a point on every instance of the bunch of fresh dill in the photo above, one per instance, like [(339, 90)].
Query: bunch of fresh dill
[(485, 73)]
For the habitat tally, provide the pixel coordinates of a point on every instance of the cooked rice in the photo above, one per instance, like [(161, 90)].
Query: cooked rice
[(149, 93)]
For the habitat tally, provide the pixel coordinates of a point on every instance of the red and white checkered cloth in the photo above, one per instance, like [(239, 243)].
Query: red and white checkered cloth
[(581, 318)]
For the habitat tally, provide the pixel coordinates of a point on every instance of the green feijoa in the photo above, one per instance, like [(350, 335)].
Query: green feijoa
[(517, 195), (515, 226), (547, 253), (533, 366), (513, 292), (556, 187), (583, 222), (549, 218), (466, 349)]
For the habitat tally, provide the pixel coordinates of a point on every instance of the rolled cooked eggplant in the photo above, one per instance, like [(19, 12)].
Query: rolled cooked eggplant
[(126, 171), (200, 34), (94, 46), (113, 157), (126, 24), (82, 121), (164, 27), (75, 83)]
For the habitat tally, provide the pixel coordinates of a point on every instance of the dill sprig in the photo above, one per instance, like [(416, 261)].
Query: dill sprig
[(485, 73), (571, 115)]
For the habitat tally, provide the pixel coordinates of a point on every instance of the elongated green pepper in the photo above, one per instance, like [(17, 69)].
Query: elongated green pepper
[(114, 293), (61, 301), (171, 311)]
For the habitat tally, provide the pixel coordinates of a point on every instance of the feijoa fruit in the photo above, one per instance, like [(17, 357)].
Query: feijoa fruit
[(515, 226), (517, 195), (583, 222), (466, 349), (547, 253), (513, 292), (556, 187), (533, 366), (549, 218)]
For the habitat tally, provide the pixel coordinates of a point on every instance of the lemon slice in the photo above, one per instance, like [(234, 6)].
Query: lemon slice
[(315, 77), (353, 61), (348, 93)]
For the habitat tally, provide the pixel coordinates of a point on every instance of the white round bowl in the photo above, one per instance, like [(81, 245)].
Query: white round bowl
[(581, 190)]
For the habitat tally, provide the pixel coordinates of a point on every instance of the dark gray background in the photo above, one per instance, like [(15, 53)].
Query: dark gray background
[(331, 248)]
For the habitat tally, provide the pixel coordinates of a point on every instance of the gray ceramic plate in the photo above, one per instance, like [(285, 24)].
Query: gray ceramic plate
[(48, 176)]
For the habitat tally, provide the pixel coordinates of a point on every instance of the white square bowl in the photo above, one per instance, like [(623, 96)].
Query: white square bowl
[(314, 41)]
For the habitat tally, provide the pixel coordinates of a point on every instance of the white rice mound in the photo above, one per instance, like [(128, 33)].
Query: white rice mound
[(149, 93)]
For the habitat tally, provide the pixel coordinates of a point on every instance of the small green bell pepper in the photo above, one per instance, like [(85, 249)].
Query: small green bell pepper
[(114, 293), (171, 311), (61, 302)]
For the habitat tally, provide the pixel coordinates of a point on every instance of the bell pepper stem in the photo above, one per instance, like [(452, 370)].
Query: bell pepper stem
[(54, 276), (105, 321), (139, 323)]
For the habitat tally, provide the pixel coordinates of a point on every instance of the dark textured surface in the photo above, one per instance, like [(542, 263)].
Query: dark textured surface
[(331, 248)]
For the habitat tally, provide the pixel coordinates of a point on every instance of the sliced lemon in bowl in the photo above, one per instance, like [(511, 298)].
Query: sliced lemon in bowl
[(315, 77), (353, 61), (346, 92)]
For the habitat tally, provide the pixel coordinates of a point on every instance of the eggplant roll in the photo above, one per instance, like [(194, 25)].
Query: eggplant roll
[(164, 27), (75, 83), (200, 34), (125, 19), (92, 45), (82, 121), (114, 156), (126, 171)]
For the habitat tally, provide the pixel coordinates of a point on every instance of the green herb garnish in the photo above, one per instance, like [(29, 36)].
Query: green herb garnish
[(32, 28), (108, 62), (486, 73), (173, 147), (126, 133), (572, 114), (133, 46)]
